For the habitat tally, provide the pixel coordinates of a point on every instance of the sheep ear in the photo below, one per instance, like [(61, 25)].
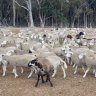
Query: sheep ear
[(36, 63), (30, 51)]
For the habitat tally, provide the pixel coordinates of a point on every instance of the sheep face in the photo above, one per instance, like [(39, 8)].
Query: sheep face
[(81, 33), (35, 64), (32, 63)]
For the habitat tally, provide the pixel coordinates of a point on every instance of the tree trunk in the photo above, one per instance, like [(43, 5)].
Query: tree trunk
[(52, 22), (41, 17), (85, 18), (73, 23), (30, 13), (91, 19), (41, 20), (78, 23), (61, 24), (14, 13)]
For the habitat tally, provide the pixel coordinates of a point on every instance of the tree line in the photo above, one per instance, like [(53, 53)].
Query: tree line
[(48, 13)]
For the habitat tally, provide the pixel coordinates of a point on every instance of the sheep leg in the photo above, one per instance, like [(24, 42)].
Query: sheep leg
[(4, 70), (37, 80), (86, 72), (75, 70), (70, 61), (30, 73), (22, 70), (63, 71), (95, 73), (48, 79), (67, 59), (15, 72), (54, 73), (83, 69), (42, 79), (74, 65)]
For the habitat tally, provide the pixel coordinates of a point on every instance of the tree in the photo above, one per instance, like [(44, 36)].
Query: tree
[(28, 7), (14, 12)]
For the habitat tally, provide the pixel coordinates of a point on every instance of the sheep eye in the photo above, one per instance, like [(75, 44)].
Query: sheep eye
[(36, 63), (42, 70)]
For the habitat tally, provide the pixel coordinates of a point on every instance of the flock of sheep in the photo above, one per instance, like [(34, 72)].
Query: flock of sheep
[(43, 52)]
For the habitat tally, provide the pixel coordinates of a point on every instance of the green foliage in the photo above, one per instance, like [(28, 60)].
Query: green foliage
[(60, 11)]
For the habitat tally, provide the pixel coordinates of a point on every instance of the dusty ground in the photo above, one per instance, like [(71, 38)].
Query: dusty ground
[(73, 85)]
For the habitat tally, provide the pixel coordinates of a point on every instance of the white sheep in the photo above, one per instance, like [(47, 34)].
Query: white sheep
[(57, 61), (90, 62), (17, 60)]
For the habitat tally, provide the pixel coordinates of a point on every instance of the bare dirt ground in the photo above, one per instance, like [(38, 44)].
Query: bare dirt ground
[(73, 85)]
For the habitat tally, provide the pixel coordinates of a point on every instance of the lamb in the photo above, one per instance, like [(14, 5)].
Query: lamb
[(55, 61), (43, 68), (16, 61)]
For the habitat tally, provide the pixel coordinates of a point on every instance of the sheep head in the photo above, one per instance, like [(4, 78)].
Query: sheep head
[(34, 63)]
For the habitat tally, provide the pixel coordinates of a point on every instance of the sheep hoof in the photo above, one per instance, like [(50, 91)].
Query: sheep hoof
[(73, 66), (84, 76), (74, 73), (64, 77), (51, 85), (21, 72), (3, 75), (43, 82), (53, 76), (16, 76), (36, 85), (28, 77)]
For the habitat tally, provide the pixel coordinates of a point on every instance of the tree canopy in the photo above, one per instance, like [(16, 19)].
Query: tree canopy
[(47, 13)]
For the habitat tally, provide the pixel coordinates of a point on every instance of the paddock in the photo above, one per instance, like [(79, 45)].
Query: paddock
[(72, 85)]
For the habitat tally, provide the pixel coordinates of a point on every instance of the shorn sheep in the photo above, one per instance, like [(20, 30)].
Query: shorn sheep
[(90, 61), (56, 62), (43, 68), (16, 61)]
